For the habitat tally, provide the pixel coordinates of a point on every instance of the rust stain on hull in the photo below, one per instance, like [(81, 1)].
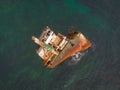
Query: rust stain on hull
[(79, 47)]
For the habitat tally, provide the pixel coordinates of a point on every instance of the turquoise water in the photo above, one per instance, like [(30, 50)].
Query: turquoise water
[(22, 69)]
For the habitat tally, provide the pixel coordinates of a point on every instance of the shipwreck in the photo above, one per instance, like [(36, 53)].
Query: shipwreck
[(56, 48)]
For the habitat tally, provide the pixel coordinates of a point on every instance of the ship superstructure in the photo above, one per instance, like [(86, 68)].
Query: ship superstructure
[(55, 48)]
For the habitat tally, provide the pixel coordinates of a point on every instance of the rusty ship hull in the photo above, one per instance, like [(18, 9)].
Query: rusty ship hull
[(65, 47)]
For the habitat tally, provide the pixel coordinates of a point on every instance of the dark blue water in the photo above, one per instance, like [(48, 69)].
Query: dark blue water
[(22, 69)]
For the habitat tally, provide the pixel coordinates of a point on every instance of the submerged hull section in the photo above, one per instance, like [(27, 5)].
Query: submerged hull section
[(77, 44), (58, 48)]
